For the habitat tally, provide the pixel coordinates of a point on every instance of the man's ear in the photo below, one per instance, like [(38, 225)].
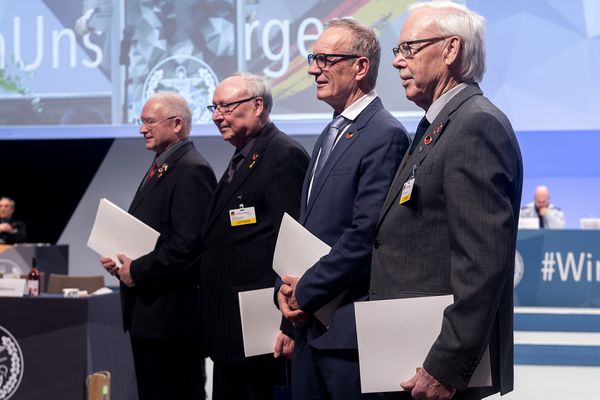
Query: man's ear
[(361, 66), (452, 50), (259, 105)]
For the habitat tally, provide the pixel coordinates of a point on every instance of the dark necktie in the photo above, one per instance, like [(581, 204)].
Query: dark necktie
[(233, 164), (332, 132), (421, 129), (541, 218), (151, 171)]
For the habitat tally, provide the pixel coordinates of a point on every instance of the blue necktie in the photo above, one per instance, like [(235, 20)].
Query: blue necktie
[(332, 132)]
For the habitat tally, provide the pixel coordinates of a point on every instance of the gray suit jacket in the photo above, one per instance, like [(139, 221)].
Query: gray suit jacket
[(457, 235)]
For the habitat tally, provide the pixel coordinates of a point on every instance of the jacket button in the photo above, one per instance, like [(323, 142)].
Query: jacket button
[(375, 244)]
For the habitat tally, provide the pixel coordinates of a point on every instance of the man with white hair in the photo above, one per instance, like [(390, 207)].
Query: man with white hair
[(449, 223), (160, 291)]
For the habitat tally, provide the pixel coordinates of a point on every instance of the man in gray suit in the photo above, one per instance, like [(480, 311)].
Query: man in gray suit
[(449, 222)]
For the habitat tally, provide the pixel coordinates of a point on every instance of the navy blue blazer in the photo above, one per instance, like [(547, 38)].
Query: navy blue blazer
[(343, 208)]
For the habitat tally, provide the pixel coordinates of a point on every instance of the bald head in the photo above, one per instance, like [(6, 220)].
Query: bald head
[(541, 197)]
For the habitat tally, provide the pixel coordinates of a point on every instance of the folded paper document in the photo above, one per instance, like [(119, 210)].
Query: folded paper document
[(117, 232), (394, 337)]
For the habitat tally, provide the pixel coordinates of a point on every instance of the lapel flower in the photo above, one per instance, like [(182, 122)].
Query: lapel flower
[(254, 158), (163, 168)]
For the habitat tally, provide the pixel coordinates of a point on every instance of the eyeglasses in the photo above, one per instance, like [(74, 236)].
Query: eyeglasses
[(226, 108), (407, 49), (140, 122), (324, 60)]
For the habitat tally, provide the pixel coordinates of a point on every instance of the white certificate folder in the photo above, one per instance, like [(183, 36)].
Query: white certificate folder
[(296, 251), (260, 321), (394, 337), (115, 231)]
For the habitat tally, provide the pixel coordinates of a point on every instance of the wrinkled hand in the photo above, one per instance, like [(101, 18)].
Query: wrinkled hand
[(423, 386), (286, 298), (109, 265), (291, 282), (284, 345), (125, 271)]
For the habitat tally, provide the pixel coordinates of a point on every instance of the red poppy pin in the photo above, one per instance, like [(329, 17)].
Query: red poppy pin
[(254, 158), (349, 135), (428, 139)]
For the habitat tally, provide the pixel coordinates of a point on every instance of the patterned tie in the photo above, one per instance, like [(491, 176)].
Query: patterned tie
[(151, 171), (233, 164), (332, 132), (421, 129)]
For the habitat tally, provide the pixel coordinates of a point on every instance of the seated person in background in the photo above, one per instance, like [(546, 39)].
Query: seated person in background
[(11, 231), (550, 216)]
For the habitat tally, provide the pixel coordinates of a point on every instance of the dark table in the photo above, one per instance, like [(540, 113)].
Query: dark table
[(63, 340)]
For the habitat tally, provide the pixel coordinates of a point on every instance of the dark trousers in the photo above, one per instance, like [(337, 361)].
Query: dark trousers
[(407, 396), (168, 369), (252, 380), (325, 374)]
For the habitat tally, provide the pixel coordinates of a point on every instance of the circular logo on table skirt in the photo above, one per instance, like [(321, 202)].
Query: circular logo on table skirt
[(519, 269), (11, 364), (189, 76)]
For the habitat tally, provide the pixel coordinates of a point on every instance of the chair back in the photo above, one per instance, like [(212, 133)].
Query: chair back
[(58, 282)]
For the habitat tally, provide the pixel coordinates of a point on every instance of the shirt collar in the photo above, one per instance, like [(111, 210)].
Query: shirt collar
[(353, 111), (162, 157), (441, 102)]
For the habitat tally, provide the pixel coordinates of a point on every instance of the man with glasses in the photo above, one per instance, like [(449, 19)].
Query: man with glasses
[(449, 223), (160, 291), (11, 231), (262, 182), (352, 166)]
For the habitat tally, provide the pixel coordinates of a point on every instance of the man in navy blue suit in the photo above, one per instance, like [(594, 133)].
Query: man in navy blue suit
[(345, 186)]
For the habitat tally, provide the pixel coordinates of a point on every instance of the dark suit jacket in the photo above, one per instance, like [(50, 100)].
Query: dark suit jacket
[(164, 301), (345, 201), (240, 258), (11, 238), (457, 235)]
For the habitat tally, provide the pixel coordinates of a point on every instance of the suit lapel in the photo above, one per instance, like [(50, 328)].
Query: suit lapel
[(147, 187), (348, 139), (422, 149), (224, 191), (308, 176)]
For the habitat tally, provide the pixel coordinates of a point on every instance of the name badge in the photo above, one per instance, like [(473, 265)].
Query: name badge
[(242, 216), (407, 190)]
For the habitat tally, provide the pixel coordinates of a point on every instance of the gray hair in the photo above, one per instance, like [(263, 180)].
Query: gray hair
[(364, 43), (175, 104), (256, 86), (456, 19), (11, 202)]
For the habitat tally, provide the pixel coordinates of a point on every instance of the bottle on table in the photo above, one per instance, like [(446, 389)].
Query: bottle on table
[(33, 279)]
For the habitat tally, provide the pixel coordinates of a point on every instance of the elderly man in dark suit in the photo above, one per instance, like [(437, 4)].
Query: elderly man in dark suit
[(351, 168), (449, 223), (11, 230), (160, 291), (263, 181)]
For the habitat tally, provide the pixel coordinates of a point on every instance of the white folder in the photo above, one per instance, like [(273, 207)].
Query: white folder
[(115, 231)]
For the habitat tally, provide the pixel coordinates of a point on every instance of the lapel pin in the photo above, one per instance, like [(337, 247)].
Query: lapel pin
[(254, 158), (438, 129), (163, 168), (349, 135), (427, 139)]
